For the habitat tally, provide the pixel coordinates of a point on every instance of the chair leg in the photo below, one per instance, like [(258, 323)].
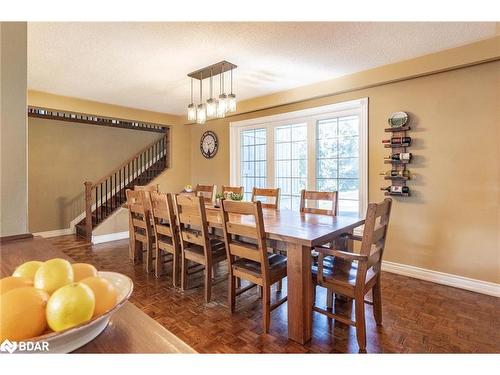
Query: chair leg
[(261, 291), (280, 285), (329, 299), (175, 269), (314, 294), (238, 282), (377, 303), (266, 307), (232, 292), (208, 283), (158, 263), (360, 322), (184, 269), (149, 258)]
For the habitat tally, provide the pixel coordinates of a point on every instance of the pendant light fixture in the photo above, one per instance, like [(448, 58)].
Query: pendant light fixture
[(191, 108), (231, 98), (214, 107), (211, 103), (201, 114)]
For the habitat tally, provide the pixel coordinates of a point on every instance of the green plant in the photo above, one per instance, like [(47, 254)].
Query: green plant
[(236, 197), (219, 196)]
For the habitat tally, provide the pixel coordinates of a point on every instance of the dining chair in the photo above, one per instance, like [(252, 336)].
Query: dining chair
[(166, 234), (250, 261), (208, 192), (355, 274), (196, 244), (232, 189), (329, 197), (268, 194), (141, 232)]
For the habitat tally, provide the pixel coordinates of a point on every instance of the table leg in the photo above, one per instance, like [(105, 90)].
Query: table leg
[(300, 291)]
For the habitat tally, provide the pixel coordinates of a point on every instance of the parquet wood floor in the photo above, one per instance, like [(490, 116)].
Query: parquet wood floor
[(418, 316)]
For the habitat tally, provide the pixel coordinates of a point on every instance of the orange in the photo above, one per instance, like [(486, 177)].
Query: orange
[(83, 270), (22, 313), (105, 294), (28, 269), (53, 274), (12, 282), (70, 306)]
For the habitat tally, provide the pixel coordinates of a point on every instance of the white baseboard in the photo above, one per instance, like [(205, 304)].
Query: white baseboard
[(437, 277), (109, 237), (55, 233)]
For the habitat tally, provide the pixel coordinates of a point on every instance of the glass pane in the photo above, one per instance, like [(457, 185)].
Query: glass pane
[(327, 148), (248, 137), (348, 207), (295, 203), (283, 151), (326, 168), (260, 136), (327, 129), (260, 169), (283, 134), (326, 184), (283, 168), (260, 152), (348, 147), (299, 150), (299, 132), (286, 202), (349, 168), (247, 168), (299, 168), (348, 125), (298, 184), (349, 189), (261, 182)]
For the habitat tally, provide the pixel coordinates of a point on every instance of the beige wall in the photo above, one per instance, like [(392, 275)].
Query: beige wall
[(451, 223), (13, 134), (171, 180), (62, 155)]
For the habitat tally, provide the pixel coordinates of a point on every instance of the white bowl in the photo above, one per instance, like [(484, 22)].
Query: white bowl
[(71, 339)]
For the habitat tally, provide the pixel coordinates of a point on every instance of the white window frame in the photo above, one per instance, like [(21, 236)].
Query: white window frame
[(310, 116)]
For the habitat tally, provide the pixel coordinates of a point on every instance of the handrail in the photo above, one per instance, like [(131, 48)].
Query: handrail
[(129, 160)]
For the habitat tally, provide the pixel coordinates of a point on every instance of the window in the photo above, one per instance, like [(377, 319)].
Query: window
[(323, 148)]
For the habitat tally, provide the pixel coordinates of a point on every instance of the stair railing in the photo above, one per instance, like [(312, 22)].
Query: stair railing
[(108, 193)]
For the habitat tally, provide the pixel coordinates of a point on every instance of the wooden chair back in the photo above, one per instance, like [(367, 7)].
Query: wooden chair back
[(274, 194), (139, 215), (233, 229), (319, 196), (232, 189), (192, 222), (374, 237), (208, 192), (163, 217), (148, 188)]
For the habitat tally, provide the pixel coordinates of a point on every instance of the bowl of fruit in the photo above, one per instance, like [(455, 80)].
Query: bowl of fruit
[(58, 305)]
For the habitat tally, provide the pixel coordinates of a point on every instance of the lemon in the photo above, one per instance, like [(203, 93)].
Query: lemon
[(53, 274), (27, 269), (70, 306), (83, 270)]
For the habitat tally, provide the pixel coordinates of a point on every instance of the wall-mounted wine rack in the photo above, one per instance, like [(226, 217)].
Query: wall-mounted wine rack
[(399, 157)]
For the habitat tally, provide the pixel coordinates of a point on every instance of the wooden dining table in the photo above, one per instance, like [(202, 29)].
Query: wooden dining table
[(130, 330), (296, 233)]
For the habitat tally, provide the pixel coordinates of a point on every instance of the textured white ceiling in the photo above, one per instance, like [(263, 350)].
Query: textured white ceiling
[(144, 65)]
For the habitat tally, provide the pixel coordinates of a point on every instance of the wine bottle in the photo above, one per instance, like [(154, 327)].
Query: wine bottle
[(396, 173), (396, 189), (400, 156), (398, 140)]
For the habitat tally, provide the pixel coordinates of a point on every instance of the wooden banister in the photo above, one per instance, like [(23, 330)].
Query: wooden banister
[(107, 194), (130, 159)]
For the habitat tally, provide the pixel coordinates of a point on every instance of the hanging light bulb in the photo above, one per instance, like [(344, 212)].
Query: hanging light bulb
[(201, 113), (211, 103), (222, 103), (231, 98), (191, 107)]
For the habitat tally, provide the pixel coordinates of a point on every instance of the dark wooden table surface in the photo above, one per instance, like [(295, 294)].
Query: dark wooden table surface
[(297, 233), (129, 331)]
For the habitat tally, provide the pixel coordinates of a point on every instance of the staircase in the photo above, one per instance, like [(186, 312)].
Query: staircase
[(104, 197)]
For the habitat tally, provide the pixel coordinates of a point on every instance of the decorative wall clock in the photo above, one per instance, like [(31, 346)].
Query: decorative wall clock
[(209, 144)]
